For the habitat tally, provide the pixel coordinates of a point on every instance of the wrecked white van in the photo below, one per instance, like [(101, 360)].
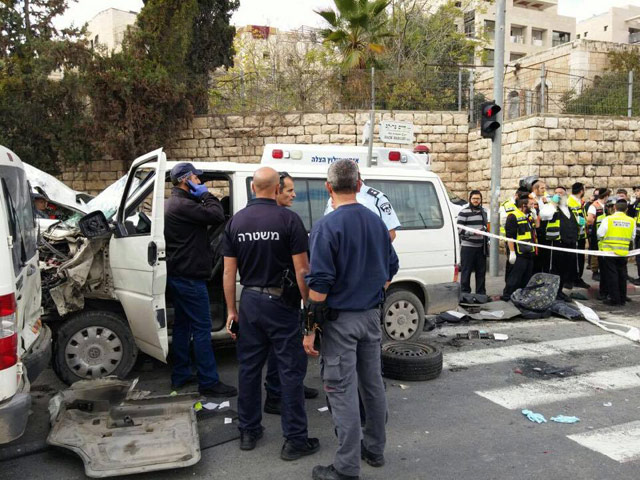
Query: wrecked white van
[(104, 276), (25, 344)]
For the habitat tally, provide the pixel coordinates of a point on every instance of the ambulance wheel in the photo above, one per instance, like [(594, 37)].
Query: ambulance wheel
[(411, 361), (93, 344), (403, 316)]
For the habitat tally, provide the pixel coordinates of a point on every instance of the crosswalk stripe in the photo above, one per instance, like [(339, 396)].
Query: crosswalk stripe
[(550, 391), (502, 326), (532, 350), (620, 442)]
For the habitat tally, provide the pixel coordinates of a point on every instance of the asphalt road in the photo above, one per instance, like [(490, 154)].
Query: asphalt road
[(467, 424)]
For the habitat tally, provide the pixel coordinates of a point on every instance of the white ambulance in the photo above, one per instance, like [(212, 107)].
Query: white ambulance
[(122, 254), (25, 344)]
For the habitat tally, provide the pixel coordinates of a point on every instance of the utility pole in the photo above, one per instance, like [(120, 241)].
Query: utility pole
[(496, 144), (27, 20), (372, 116)]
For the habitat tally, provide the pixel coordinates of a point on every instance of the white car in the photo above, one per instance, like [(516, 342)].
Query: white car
[(25, 343)]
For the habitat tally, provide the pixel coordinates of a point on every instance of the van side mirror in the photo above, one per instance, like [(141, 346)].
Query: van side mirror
[(94, 225)]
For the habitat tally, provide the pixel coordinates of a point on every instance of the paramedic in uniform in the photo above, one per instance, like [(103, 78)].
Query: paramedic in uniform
[(518, 227), (352, 262), (378, 203), (616, 233), (187, 213), (263, 242)]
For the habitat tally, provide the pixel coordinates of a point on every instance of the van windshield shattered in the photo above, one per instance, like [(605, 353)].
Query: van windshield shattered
[(107, 201)]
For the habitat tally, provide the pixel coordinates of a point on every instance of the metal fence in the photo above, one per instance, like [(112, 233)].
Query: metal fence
[(527, 91)]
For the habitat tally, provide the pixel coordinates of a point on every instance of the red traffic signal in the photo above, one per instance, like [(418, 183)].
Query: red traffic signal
[(488, 123)]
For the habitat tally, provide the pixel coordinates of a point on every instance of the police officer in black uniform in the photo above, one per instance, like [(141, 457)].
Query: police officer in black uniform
[(265, 243)]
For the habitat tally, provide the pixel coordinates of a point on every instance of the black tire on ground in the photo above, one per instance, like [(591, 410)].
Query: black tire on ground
[(411, 361), (93, 344), (403, 318)]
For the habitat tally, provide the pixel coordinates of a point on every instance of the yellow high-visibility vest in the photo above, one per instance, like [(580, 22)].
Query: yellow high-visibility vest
[(509, 207), (524, 232), (619, 234), (578, 211)]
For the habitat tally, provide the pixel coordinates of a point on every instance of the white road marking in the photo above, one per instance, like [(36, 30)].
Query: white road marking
[(620, 442), (542, 392), (503, 325), (533, 350)]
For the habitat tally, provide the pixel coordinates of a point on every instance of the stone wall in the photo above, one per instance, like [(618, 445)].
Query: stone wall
[(242, 139), (561, 149), (597, 151)]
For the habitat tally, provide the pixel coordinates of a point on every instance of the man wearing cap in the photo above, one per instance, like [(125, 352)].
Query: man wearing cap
[(616, 233), (40, 205), (188, 212), (634, 212), (575, 203)]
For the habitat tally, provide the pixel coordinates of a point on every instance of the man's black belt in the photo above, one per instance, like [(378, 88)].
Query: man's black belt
[(274, 291)]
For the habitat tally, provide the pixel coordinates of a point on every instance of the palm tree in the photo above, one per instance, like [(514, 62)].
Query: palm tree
[(357, 29)]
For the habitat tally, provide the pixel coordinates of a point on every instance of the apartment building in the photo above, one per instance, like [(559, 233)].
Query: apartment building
[(618, 24), (531, 27), (106, 30)]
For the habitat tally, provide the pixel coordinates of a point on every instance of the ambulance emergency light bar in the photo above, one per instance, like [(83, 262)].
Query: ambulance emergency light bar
[(327, 154)]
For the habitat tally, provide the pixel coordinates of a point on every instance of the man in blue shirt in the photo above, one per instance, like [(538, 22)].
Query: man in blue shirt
[(352, 262), (265, 243)]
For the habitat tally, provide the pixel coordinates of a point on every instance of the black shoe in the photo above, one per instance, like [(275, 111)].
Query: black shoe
[(627, 299), (192, 380), (329, 473), (370, 458), (310, 392), (563, 296), (595, 277), (294, 451), (249, 439), (581, 284), (611, 303), (636, 281), (219, 390), (568, 286), (272, 405)]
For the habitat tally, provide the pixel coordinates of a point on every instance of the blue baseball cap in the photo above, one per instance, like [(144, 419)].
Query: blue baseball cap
[(182, 170)]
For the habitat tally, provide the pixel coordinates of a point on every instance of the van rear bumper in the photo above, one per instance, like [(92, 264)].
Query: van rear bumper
[(442, 297), (39, 355), (13, 417)]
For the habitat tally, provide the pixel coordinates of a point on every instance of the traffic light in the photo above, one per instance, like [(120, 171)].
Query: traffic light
[(489, 123)]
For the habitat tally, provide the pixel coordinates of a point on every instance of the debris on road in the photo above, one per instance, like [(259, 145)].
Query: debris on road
[(501, 337), (565, 419), (323, 409), (473, 334), (627, 331), (116, 430), (401, 385), (534, 417), (607, 404)]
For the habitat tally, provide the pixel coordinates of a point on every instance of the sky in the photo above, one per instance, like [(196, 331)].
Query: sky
[(290, 14)]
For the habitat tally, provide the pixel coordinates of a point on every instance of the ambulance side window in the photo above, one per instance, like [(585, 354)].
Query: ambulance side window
[(415, 203)]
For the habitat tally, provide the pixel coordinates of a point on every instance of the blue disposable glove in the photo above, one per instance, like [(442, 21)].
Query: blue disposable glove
[(581, 221), (534, 417), (565, 419), (197, 190)]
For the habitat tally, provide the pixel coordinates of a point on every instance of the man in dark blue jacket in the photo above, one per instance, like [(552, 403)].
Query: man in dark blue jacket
[(352, 262), (187, 214)]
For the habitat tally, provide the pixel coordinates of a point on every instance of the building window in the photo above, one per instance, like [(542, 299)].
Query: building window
[(606, 27), (585, 34), (458, 4), (537, 37), (517, 34), (489, 27), (488, 54), (470, 23), (578, 37), (513, 56), (95, 41), (561, 37)]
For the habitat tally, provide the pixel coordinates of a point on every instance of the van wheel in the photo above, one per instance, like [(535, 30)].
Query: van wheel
[(93, 344), (403, 318), (411, 361)]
